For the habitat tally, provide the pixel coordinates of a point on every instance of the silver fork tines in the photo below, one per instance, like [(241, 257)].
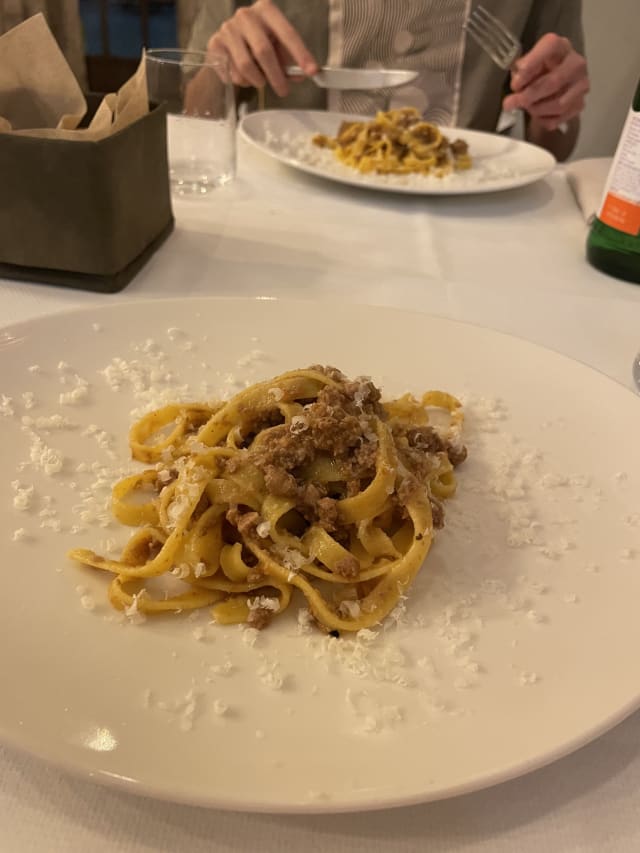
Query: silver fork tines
[(493, 37)]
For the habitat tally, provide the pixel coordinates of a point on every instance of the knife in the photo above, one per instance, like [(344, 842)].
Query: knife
[(355, 78)]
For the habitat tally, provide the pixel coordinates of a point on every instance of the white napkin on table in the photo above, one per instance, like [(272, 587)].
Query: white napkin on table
[(587, 179)]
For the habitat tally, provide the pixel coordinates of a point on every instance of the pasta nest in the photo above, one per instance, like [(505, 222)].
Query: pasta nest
[(303, 482)]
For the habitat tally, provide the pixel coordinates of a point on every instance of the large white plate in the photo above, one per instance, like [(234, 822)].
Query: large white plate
[(499, 163), (520, 638)]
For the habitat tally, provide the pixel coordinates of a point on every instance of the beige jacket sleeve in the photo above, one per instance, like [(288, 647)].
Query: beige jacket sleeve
[(212, 14), (563, 17)]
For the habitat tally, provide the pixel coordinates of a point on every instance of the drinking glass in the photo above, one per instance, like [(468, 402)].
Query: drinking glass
[(201, 119)]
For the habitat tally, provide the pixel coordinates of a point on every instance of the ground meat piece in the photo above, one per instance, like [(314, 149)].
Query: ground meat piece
[(311, 494), (244, 522), (283, 449), (459, 147), (348, 567), (437, 512), (353, 488), (418, 448), (332, 427), (348, 132), (338, 424), (407, 488), (425, 438), (363, 393), (419, 463), (457, 453), (366, 456), (280, 483), (327, 512), (424, 132), (322, 141), (408, 117), (260, 617), (331, 372), (362, 464)]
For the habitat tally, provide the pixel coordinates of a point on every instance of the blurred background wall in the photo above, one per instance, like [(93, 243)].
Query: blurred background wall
[(612, 31)]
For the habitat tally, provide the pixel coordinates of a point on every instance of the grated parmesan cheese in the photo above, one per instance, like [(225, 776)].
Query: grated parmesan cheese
[(6, 406), (23, 498), (251, 358), (263, 529), (45, 458), (270, 675), (263, 602), (298, 424), (276, 393), (77, 394), (135, 616)]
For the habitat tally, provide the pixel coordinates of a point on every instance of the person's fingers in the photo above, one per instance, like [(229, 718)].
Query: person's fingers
[(571, 71), (216, 49), (255, 40), (263, 50), (244, 70), (546, 53), (557, 104), (555, 122), (569, 101), (287, 35)]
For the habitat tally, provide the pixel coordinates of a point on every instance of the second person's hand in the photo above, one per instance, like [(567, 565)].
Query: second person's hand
[(260, 41), (549, 83)]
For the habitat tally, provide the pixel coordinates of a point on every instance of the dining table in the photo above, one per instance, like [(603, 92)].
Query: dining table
[(512, 261)]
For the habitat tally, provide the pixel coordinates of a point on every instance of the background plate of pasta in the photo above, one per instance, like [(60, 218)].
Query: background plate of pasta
[(395, 151), (255, 559)]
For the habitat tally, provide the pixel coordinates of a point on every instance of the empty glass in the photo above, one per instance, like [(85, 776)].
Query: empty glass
[(201, 118)]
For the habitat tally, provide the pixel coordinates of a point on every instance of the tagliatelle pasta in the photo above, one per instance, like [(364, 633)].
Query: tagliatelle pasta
[(306, 481), (397, 142)]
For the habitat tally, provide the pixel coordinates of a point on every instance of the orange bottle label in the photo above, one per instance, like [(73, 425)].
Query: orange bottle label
[(620, 208), (621, 214)]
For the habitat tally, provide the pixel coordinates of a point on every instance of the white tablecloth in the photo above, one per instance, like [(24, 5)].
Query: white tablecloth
[(513, 261)]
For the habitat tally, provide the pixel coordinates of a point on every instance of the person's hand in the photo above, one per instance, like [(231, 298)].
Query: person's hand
[(549, 83), (259, 42)]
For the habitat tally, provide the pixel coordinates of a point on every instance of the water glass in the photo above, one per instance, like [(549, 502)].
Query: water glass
[(201, 118)]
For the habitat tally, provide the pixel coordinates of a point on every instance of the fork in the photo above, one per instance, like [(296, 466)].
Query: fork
[(493, 37)]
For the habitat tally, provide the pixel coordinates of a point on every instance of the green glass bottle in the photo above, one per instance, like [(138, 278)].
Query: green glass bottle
[(613, 245)]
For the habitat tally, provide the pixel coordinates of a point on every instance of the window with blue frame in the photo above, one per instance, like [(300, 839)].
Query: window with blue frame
[(116, 31)]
